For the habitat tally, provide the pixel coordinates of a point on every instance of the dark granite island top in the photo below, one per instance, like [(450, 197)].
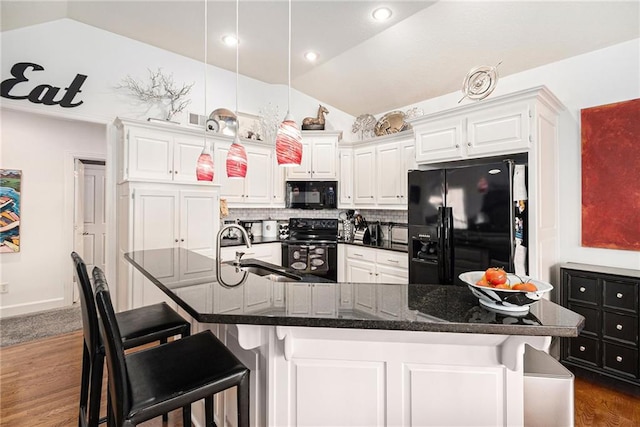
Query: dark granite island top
[(193, 286)]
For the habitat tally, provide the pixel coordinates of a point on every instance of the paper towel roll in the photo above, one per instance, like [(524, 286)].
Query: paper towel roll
[(269, 228)]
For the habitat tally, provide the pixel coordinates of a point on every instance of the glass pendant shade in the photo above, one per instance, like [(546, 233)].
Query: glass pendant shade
[(289, 143), (236, 160), (204, 166)]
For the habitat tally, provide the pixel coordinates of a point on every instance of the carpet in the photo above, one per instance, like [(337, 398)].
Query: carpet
[(29, 327)]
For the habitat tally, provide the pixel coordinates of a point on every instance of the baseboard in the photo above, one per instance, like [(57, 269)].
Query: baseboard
[(31, 307)]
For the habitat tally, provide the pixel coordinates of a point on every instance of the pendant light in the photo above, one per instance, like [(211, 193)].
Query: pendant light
[(237, 155), (204, 165), (288, 137)]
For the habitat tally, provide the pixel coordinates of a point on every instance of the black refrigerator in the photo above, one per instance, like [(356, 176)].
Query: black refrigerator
[(465, 217)]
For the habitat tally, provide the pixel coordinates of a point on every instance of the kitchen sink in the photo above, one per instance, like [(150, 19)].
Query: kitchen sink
[(272, 274)]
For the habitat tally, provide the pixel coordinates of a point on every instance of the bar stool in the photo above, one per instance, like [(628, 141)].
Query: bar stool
[(139, 326), (157, 380)]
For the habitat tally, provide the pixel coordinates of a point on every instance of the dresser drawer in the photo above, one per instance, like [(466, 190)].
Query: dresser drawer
[(622, 295), (591, 318), (584, 349), (621, 359), (620, 327), (583, 288)]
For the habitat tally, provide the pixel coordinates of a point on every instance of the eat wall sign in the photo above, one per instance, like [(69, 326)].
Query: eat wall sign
[(18, 87)]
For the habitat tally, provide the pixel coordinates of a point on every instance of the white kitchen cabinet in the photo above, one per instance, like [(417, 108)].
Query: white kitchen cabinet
[(157, 152), (364, 174), (278, 179), (345, 179), (312, 299), (256, 187), (158, 216), (369, 265), (380, 169), (319, 156), (502, 125)]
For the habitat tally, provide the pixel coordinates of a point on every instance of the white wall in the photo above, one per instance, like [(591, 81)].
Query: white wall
[(66, 47), (600, 77), (42, 148)]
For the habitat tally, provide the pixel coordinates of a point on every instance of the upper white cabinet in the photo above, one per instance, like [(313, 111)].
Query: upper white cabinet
[(157, 152), (345, 180), (497, 126), (380, 169), (319, 155), (256, 187)]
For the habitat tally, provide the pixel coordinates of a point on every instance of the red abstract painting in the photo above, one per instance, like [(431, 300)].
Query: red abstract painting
[(611, 176)]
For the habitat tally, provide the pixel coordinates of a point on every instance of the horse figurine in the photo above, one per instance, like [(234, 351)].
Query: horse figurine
[(315, 123)]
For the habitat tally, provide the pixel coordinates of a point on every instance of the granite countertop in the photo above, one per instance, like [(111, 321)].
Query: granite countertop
[(193, 286), (257, 240)]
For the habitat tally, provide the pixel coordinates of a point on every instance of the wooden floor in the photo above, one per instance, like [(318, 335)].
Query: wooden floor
[(39, 386)]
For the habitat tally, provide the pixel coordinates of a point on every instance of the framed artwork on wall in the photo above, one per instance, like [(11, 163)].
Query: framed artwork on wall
[(610, 174), (10, 181)]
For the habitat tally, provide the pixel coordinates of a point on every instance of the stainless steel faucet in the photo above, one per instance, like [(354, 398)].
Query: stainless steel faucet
[(245, 236), (239, 254)]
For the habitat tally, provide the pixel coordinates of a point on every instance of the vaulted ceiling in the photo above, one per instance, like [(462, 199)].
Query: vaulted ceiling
[(423, 51)]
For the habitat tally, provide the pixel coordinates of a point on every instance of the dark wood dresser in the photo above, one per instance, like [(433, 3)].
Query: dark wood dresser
[(607, 297)]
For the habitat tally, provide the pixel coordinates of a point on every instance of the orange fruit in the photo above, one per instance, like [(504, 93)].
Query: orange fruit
[(527, 287)]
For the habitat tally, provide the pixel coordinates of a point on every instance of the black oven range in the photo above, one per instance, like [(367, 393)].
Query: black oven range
[(312, 247)]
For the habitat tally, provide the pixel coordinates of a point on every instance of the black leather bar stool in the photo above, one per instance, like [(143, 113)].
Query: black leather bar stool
[(139, 326), (157, 380)]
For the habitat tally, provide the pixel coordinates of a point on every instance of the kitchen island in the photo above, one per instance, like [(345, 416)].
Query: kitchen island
[(414, 355)]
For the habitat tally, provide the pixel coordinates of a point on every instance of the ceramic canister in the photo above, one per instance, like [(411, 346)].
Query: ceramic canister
[(269, 228)]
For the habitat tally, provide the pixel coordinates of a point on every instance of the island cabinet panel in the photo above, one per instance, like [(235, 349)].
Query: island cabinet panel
[(607, 297)]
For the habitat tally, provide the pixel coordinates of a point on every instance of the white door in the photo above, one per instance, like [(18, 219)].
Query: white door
[(78, 217), (94, 217)]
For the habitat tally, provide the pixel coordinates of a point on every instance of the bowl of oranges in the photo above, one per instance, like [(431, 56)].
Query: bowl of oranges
[(500, 291)]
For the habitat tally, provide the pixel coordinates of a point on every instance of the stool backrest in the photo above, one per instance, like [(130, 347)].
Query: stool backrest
[(118, 384), (89, 314)]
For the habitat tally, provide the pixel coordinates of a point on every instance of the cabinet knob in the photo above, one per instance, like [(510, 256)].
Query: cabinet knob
[(176, 240), (582, 348), (469, 144), (182, 240), (618, 358), (619, 295), (457, 145), (582, 289), (619, 327), (176, 172), (170, 171)]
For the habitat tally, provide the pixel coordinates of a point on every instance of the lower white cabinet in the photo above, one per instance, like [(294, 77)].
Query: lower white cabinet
[(157, 216), (267, 252), (368, 265), (312, 299)]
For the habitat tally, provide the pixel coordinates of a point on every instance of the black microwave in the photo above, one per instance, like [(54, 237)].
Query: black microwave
[(311, 194)]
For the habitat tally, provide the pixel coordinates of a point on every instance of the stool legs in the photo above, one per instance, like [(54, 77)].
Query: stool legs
[(209, 412), (95, 390), (243, 402), (84, 386)]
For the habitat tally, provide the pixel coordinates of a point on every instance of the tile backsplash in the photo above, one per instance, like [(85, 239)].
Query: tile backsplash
[(382, 215)]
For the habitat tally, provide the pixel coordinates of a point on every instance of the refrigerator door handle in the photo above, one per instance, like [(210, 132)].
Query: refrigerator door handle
[(512, 217)]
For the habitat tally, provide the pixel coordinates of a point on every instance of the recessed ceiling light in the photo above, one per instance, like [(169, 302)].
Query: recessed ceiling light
[(381, 14), (311, 56), (229, 40)]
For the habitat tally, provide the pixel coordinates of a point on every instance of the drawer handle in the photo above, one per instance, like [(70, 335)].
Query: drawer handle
[(356, 254), (582, 348), (619, 295), (582, 289), (393, 260), (618, 358), (619, 327)]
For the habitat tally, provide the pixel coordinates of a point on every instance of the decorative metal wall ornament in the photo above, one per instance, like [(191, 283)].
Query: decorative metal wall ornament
[(315, 123), (414, 112), (480, 82), (365, 124), (161, 90)]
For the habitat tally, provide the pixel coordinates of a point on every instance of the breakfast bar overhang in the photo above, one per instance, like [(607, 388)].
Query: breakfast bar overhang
[(351, 354)]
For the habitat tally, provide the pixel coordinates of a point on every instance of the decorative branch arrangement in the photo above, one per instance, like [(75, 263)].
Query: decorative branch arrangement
[(161, 89)]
